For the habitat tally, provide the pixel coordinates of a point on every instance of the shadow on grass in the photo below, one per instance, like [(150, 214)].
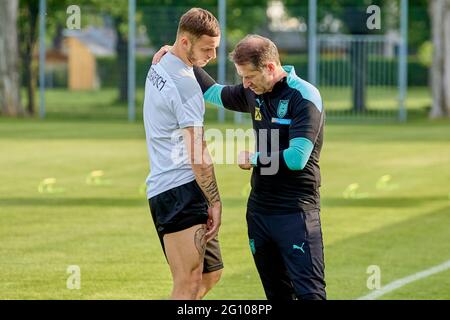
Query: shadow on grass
[(73, 202), (399, 250), (328, 202), (388, 202), (60, 201)]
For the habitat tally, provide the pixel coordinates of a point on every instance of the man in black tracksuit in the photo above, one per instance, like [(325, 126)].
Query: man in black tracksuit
[(283, 211)]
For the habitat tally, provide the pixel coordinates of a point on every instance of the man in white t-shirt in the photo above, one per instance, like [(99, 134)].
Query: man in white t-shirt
[(181, 188)]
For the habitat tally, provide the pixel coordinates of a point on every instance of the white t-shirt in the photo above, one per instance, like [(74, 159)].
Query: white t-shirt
[(173, 100)]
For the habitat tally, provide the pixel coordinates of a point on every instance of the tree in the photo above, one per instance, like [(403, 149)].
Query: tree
[(419, 25), (9, 64), (28, 35), (118, 11), (28, 17), (440, 70), (243, 17), (29, 11), (121, 28), (160, 19), (353, 16)]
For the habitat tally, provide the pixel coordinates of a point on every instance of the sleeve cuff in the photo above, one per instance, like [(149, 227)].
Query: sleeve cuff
[(254, 159)]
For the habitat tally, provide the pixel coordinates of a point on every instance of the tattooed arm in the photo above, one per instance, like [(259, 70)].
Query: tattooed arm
[(203, 169)]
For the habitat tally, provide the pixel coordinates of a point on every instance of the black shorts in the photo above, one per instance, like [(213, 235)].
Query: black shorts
[(288, 253), (180, 208)]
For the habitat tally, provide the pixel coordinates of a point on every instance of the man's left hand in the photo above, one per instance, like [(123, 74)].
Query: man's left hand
[(161, 52), (244, 160)]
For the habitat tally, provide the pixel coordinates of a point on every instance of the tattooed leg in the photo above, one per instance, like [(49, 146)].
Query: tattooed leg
[(185, 259), (200, 241)]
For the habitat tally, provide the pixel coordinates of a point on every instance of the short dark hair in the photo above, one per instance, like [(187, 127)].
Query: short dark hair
[(256, 50), (198, 22)]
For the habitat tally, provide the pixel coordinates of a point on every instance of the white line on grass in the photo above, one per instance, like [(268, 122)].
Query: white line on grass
[(404, 281)]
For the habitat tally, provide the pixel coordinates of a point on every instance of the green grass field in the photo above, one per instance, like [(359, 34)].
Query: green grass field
[(106, 229)]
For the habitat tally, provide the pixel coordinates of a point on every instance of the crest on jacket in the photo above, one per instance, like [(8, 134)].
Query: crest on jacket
[(282, 108)]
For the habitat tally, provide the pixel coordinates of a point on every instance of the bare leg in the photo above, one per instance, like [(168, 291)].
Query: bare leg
[(185, 253), (209, 280)]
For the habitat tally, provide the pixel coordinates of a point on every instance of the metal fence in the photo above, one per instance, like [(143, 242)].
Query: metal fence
[(359, 76)]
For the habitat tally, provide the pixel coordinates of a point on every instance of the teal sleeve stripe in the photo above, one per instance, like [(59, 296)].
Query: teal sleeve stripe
[(214, 95), (254, 159), (298, 153), (306, 89)]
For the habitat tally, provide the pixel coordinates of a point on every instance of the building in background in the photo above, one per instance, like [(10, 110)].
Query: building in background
[(82, 47)]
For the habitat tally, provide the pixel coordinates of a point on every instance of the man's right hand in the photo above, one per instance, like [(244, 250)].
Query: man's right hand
[(161, 52), (214, 220)]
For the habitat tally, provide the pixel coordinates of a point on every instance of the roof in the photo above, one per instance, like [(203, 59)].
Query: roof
[(100, 41)]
